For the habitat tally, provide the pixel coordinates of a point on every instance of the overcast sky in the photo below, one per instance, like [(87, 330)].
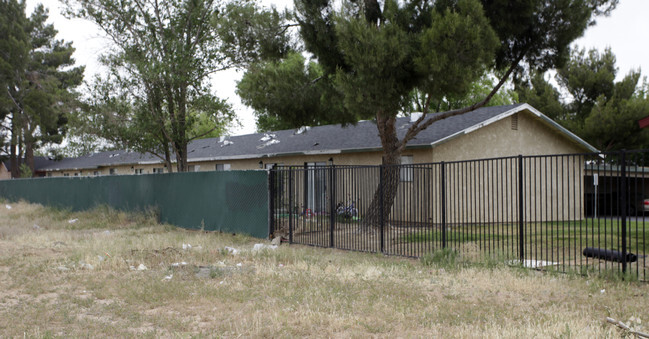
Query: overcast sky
[(626, 31)]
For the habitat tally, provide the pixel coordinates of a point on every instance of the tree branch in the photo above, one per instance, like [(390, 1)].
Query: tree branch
[(419, 125)]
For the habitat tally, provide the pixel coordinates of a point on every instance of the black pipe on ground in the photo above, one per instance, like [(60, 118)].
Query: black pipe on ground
[(609, 255)]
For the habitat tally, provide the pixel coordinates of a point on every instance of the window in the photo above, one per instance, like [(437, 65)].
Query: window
[(112, 171), (76, 174), (406, 171), (193, 168), (66, 174), (158, 170), (222, 167), (95, 173), (138, 171), (49, 174)]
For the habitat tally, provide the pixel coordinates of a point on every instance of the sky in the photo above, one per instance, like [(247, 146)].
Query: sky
[(625, 31)]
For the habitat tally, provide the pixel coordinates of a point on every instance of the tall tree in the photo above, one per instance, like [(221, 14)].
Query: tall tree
[(377, 53), (596, 107), (166, 55), (40, 92)]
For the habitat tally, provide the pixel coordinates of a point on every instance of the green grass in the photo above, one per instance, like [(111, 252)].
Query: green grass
[(603, 233)]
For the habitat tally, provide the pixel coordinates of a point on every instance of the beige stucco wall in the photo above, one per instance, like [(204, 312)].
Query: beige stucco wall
[(498, 139)]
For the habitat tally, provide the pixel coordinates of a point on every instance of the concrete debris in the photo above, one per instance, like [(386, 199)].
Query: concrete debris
[(231, 250), (259, 247), (72, 221), (8, 207), (140, 267), (276, 241), (87, 266)]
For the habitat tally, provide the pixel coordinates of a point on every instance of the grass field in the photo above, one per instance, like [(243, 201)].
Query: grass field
[(65, 278)]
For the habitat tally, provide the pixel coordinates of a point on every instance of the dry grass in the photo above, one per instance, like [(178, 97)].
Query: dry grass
[(48, 289)]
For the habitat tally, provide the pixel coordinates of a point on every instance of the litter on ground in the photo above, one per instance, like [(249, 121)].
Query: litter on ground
[(231, 250), (8, 207), (530, 263), (259, 247), (72, 221)]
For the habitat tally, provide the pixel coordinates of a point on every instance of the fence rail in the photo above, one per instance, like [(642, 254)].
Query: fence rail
[(576, 212)]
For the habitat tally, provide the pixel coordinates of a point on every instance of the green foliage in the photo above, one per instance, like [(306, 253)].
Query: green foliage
[(38, 81), (25, 171), (157, 97), (445, 257), (289, 93), (380, 60), (599, 109)]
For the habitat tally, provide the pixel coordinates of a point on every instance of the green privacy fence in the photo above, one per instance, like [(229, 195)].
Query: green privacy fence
[(229, 201)]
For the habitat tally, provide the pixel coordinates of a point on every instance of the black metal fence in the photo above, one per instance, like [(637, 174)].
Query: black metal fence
[(577, 212)]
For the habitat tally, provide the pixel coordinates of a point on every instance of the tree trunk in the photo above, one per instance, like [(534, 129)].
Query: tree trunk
[(29, 155), (383, 199)]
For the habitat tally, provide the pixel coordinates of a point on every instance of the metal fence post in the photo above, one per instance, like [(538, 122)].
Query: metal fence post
[(332, 206), (443, 201), (381, 203), (623, 206), (521, 211), (290, 205)]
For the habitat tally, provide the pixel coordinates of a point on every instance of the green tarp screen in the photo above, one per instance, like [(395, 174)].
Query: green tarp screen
[(229, 201)]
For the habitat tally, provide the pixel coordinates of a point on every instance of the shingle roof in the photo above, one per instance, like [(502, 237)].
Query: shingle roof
[(329, 139), (39, 162)]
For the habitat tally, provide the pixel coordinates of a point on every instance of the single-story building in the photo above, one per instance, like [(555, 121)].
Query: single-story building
[(488, 132), (39, 164)]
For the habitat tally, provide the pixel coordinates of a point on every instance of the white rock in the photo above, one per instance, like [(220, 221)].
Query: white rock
[(276, 241), (259, 247), (231, 250)]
